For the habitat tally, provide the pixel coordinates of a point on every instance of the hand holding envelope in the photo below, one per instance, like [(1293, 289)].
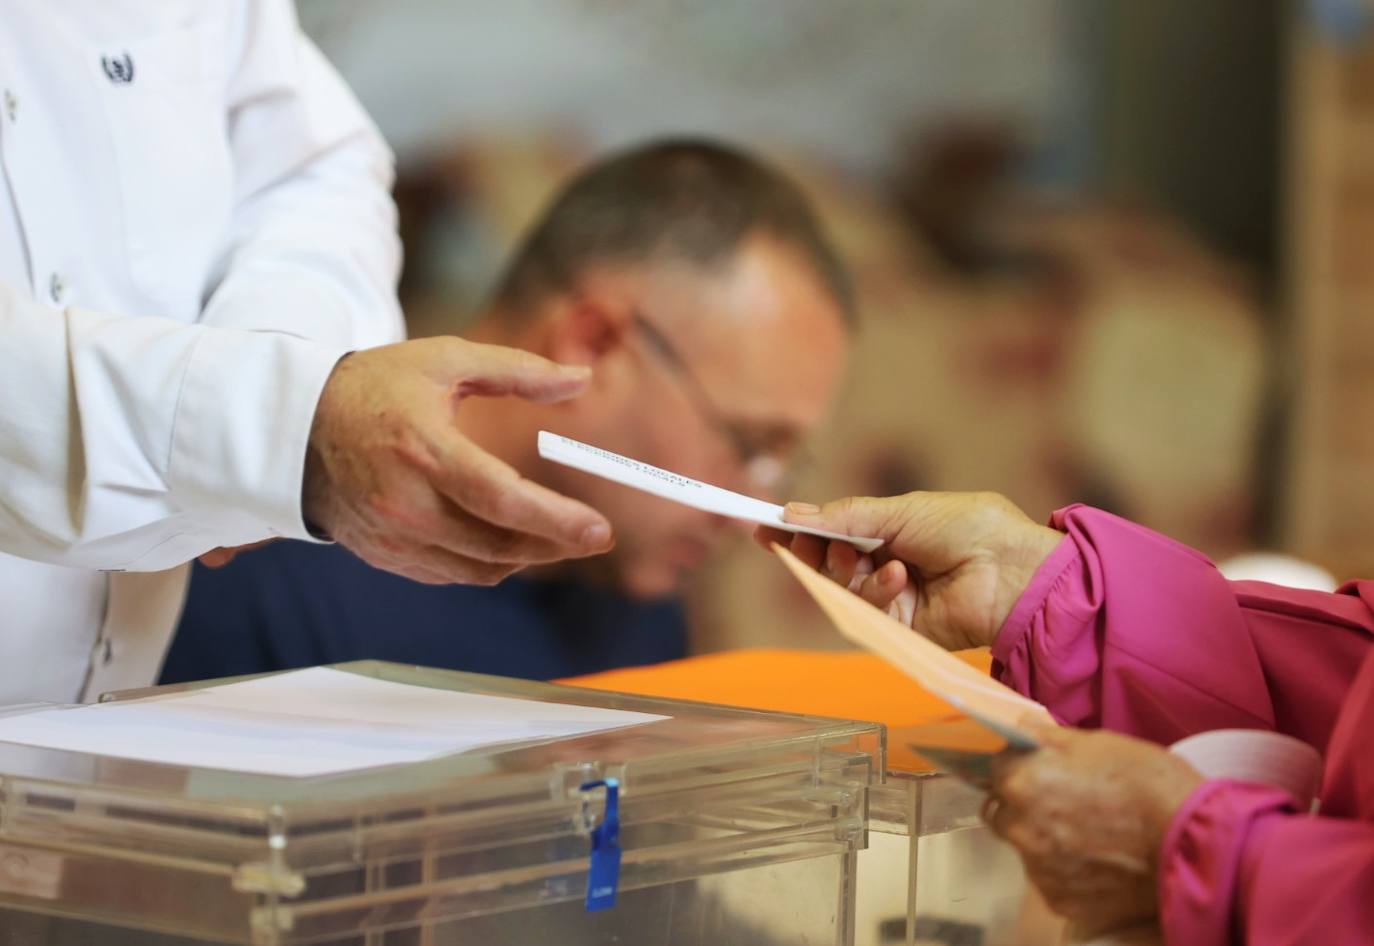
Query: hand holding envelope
[(965, 688), (951, 566), (1087, 811)]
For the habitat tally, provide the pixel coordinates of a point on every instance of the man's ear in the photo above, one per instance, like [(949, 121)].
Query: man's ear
[(583, 332)]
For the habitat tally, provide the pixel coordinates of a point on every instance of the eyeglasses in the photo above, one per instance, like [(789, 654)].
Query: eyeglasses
[(764, 461)]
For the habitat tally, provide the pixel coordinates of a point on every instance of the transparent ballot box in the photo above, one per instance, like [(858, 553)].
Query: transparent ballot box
[(933, 873), (734, 827)]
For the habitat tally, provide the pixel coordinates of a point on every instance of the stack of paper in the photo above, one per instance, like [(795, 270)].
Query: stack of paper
[(306, 722)]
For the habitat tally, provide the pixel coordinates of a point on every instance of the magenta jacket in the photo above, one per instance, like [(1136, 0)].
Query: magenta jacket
[(1124, 629)]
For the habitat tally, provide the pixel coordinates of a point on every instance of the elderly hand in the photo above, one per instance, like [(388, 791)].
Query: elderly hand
[(1088, 812), (389, 475), (952, 566)]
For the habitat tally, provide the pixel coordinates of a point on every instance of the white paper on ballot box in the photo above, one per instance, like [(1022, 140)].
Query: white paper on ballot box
[(680, 489), (306, 722)]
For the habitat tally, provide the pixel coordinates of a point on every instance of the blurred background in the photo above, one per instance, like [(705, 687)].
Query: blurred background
[(1118, 253)]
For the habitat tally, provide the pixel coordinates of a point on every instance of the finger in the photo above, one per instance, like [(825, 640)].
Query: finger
[(433, 565), (422, 517), (856, 515), (767, 536), (904, 607), (1044, 730), (881, 588), (1005, 765), (841, 562), (863, 567), (493, 492), (810, 549), (458, 569), (395, 564), (464, 534), (998, 815), (217, 558), (497, 371)]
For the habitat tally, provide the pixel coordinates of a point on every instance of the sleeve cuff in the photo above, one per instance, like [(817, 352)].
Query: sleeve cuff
[(1200, 860), (1032, 600), (242, 425)]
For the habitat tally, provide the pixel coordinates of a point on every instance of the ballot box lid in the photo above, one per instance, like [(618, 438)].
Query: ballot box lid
[(242, 857)]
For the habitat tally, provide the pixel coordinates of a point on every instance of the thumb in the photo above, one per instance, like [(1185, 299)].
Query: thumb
[(863, 516), (1042, 727), (497, 371)]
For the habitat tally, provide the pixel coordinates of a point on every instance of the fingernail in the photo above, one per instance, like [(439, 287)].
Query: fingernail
[(803, 509), (595, 536)]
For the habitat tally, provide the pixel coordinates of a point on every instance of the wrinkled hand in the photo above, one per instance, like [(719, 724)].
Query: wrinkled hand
[(952, 564), (389, 475), (1088, 812)]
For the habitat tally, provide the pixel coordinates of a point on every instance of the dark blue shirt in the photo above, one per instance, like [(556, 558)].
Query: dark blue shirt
[(294, 604)]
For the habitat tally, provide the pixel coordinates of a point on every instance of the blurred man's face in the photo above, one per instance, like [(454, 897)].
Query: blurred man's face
[(720, 376)]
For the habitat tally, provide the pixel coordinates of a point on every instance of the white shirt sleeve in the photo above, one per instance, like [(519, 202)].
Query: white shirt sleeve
[(178, 438), (314, 250), (132, 442)]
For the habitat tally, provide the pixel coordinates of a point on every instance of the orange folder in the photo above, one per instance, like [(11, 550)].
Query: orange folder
[(846, 685)]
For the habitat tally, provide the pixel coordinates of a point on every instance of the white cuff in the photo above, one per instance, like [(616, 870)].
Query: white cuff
[(242, 425)]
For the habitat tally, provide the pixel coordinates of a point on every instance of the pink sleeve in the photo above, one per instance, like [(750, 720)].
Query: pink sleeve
[(1239, 865), (1125, 629)]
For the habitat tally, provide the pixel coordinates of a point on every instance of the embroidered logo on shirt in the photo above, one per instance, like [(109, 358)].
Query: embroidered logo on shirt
[(118, 69)]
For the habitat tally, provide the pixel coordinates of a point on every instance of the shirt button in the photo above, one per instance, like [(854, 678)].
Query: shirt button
[(11, 105), (57, 289)]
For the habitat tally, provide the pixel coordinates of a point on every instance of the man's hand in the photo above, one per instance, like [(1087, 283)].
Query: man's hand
[(389, 475), (952, 564), (1088, 812)]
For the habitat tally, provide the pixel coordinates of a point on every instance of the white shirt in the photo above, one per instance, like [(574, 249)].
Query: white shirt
[(195, 224)]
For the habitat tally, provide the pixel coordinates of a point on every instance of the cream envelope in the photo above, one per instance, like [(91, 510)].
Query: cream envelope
[(993, 704)]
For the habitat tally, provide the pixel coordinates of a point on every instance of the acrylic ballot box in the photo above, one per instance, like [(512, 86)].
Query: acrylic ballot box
[(735, 828), (933, 874)]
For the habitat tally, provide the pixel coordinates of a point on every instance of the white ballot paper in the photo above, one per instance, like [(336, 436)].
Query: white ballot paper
[(680, 489), (306, 722)]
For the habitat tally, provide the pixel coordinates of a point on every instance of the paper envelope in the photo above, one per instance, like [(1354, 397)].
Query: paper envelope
[(996, 706)]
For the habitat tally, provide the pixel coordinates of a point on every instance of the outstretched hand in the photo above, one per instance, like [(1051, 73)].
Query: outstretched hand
[(390, 476)]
